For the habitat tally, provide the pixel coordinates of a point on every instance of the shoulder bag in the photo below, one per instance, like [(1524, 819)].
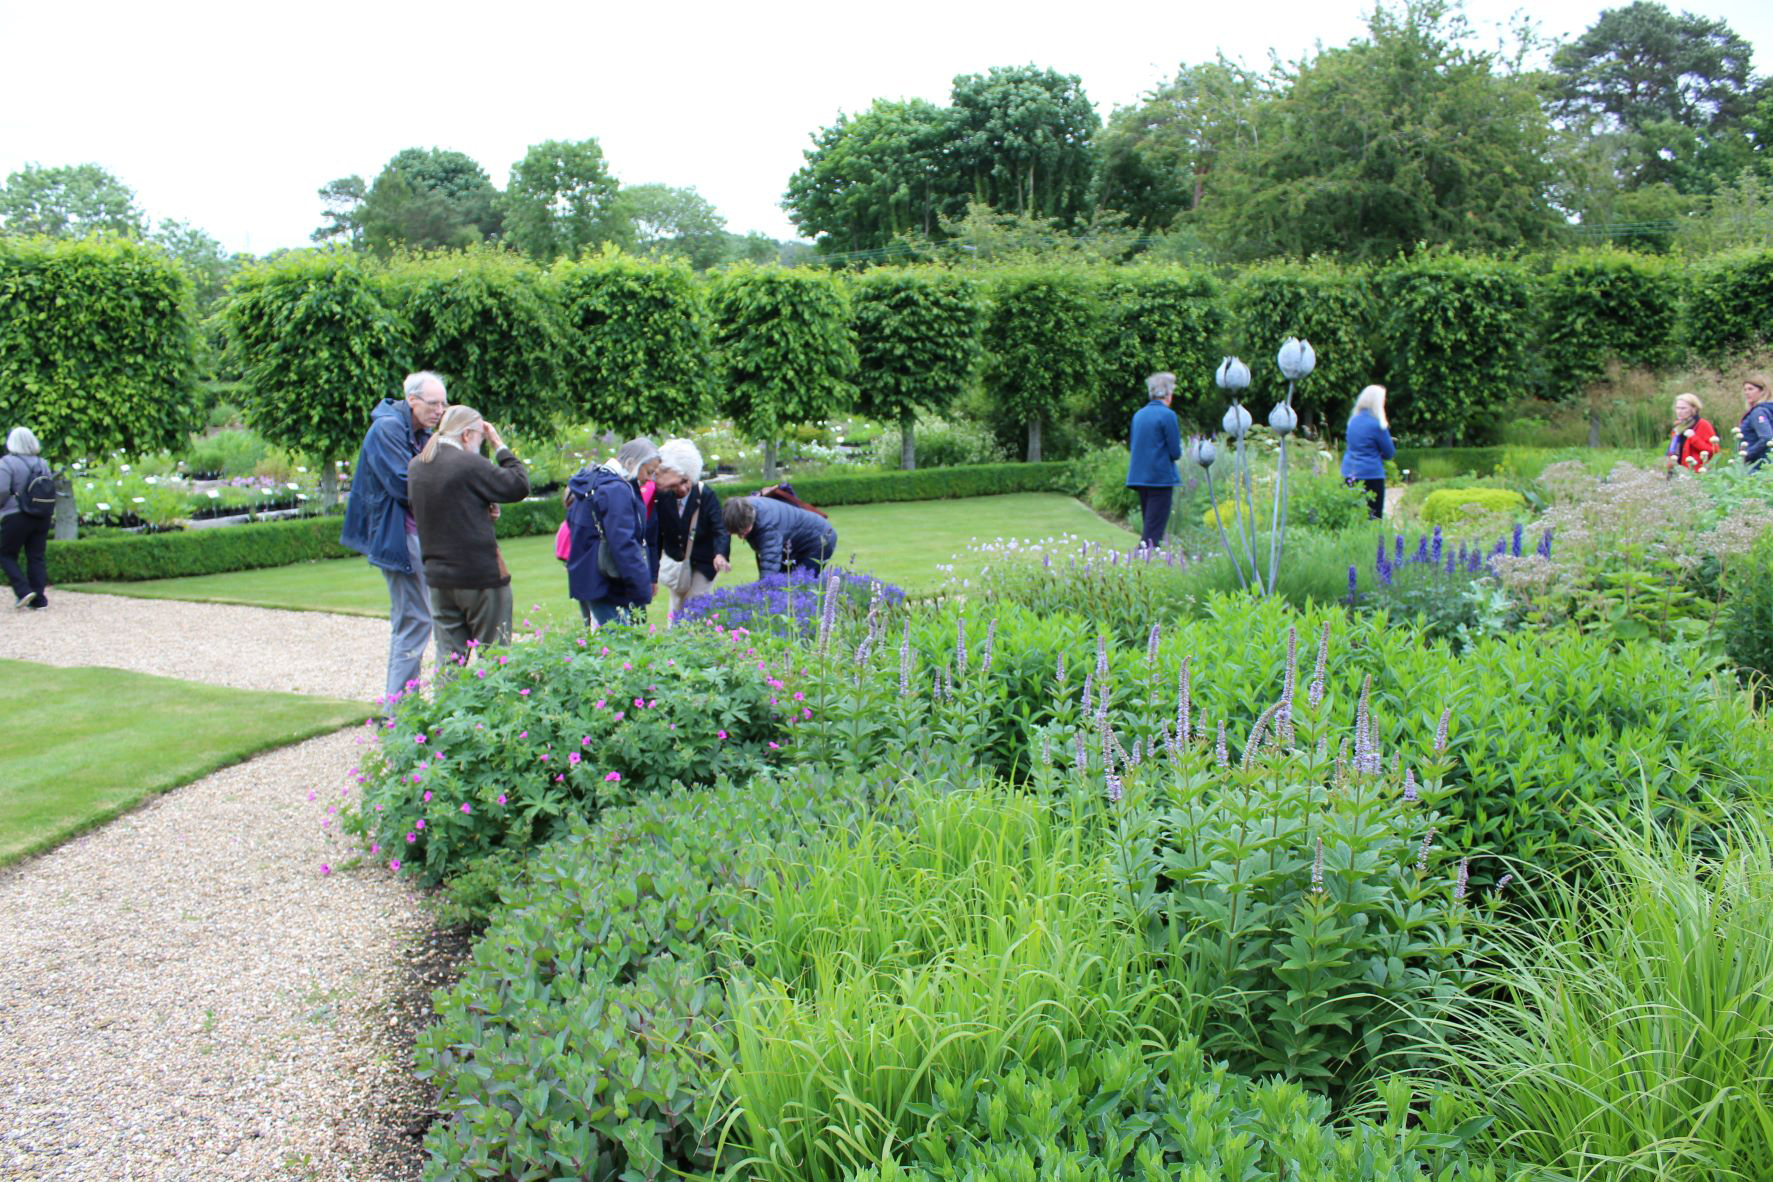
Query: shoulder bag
[(677, 574)]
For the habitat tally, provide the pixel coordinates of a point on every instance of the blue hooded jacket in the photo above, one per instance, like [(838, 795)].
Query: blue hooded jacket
[(375, 514), (1155, 445), (606, 510), (782, 531), (1366, 448), (1757, 433)]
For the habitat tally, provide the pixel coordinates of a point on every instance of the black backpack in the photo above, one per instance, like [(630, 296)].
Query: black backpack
[(37, 497)]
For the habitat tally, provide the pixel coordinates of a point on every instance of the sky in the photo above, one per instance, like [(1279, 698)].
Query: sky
[(230, 116)]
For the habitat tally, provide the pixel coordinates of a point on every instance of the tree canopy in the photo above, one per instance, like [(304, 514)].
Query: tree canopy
[(428, 199), (562, 201), (69, 202)]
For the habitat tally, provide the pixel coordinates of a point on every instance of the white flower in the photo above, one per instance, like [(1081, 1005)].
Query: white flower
[(90, 484), (152, 479), (139, 500), (214, 495), (123, 468), (301, 469), (293, 484), (103, 508)]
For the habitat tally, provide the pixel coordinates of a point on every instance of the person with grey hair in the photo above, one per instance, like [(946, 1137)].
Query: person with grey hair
[(27, 507), (610, 570), (692, 533), (379, 523), (784, 536), (1155, 444)]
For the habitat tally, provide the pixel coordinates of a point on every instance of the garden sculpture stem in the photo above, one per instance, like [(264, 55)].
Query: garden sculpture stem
[(1224, 538), (1247, 505), (1277, 533)]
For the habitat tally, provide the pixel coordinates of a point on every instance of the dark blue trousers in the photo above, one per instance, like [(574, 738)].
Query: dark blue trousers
[(1154, 506)]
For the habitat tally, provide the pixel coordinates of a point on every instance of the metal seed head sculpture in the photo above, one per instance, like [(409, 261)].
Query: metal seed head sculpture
[(1296, 360)]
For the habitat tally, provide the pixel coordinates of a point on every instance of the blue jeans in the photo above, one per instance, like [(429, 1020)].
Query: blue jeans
[(608, 611), (1154, 511), (409, 620)]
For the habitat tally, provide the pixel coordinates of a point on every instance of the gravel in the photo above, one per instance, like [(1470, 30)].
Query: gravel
[(242, 647), (184, 994)]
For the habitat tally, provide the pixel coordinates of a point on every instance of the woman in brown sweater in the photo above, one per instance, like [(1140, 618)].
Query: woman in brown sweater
[(455, 496)]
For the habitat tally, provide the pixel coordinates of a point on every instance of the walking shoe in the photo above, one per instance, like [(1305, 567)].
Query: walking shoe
[(24, 601), (39, 603)]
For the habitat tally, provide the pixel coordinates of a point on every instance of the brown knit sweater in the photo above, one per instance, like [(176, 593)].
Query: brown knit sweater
[(449, 499)]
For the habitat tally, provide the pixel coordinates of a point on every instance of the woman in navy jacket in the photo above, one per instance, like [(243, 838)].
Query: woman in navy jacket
[(1367, 447), (606, 510)]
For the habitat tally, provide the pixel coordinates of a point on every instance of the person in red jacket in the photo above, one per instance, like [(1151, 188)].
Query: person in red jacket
[(1693, 441)]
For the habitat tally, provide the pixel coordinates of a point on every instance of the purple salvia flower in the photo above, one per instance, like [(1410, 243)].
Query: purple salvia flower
[(1514, 548), (1380, 556), (960, 647), (1384, 573), (1114, 788), (1434, 550), (1422, 854), (1397, 554), (1151, 644), (1421, 555), (1353, 581), (1464, 877), (1544, 547), (1317, 868), (1184, 700), (1474, 562), (1219, 753), (1315, 693), (1440, 732), (1410, 786), (1449, 559)]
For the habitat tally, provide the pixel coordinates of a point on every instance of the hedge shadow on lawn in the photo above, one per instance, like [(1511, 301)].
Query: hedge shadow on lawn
[(99, 742)]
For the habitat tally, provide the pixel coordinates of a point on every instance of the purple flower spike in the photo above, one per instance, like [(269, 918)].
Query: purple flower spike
[(1385, 574), (1514, 548), (1352, 583), (1421, 552), (1317, 868), (1434, 551), (1082, 752), (1422, 855), (1114, 788), (1449, 562), (1463, 879), (1544, 547), (1410, 786), (1220, 754), (1151, 644), (1398, 549)]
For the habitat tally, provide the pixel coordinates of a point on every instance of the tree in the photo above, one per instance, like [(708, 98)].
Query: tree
[(69, 202), (1023, 141), (562, 201), (638, 357), (662, 220), (1677, 87), (429, 199), (872, 177), (1403, 139), (785, 350), (343, 199), (319, 348), (1041, 345), (917, 342), (208, 265), (1158, 319)]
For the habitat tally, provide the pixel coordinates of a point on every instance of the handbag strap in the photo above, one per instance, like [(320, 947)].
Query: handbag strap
[(695, 515)]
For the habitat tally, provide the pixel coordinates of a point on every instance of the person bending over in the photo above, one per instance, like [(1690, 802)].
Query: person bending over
[(783, 536)]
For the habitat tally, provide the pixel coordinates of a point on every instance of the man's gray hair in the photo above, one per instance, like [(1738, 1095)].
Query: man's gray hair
[(1160, 385), (20, 442), (636, 454), (414, 386), (682, 457)]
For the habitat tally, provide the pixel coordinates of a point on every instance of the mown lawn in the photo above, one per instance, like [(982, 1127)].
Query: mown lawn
[(87, 744), (901, 542)]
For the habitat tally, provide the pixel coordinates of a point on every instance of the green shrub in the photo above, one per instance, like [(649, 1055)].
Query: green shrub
[(1436, 463), (1101, 475), (1158, 319), (1603, 306), (1454, 336), (1041, 348), (917, 341), (1727, 301), (941, 443), (864, 487), (97, 346), (1323, 502), (1449, 506), (231, 452), (1748, 618)]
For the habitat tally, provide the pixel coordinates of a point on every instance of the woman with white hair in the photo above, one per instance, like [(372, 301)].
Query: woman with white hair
[(1367, 447), (608, 569), (692, 535), (27, 507)]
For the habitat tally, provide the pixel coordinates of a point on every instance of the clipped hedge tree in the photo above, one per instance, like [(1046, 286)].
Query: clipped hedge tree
[(1728, 302), (318, 348), (637, 358), (1453, 334), (1604, 308), (98, 346), (918, 345), (1160, 319), (785, 350), (485, 319), (1042, 343), (1322, 302)]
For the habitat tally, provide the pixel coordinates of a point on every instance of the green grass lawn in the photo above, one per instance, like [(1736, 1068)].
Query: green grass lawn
[(87, 744), (901, 542)]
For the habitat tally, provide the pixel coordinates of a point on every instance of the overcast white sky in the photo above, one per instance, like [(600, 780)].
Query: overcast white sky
[(230, 115)]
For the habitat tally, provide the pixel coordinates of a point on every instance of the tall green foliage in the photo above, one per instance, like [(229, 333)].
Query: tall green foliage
[(485, 320), (1454, 334), (785, 348), (1728, 301), (1158, 318), (1603, 306), (97, 344), (1042, 343), (918, 340), (1330, 306), (637, 354), (318, 348)]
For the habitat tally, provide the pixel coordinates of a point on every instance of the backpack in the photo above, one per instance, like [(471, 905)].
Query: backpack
[(785, 494), (37, 497)]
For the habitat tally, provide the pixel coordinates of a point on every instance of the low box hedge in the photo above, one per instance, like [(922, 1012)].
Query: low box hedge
[(1448, 506), (930, 484), (1438, 463)]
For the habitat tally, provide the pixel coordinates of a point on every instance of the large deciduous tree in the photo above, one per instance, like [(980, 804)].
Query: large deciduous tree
[(562, 201), (873, 176), (662, 220), (68, 202), (1023, 140), (917, 340), (429, 199), (343, 214)]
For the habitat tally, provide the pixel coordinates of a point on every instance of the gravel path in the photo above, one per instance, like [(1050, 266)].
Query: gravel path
[(243, 647), (187, 996)]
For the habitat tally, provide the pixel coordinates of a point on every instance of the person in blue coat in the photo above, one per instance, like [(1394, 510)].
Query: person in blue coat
[(604, 509), (379, 522), (1367, 447), (1155, 444), (783, 535), (1756, 427)]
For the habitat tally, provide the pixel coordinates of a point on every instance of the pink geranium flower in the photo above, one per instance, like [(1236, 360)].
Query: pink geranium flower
[(465, 807), (501, 798), (393, 863), (613, 778)]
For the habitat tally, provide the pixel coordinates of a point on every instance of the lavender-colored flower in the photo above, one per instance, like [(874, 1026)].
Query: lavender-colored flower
[(1544, 547), (1514, 548), (1421, 555), (1422, 854), (1397, 556), (985, 650), (1290, 675), (1434, 550), (1323, 746), (960, 646), (1315, 693), (1089, 694), (1385, 574), (1317, 868), (1462, 879), (1440, 732), (1474, 561), (1101, 656), (1137, 755), (1184, 700), (1102, 702), (1151, 644), (1114, 787), (1410, 786), (1059, 676), (1352, 582), (905, 662), (1082, 755), (828, 617), (1379, 558), (1220, 754), (1046, 750), (1502, 883), (1449, 567)]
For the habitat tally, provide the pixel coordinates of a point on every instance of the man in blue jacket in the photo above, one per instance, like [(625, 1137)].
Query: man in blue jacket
[(379, 522), (780, 533), (1156, 444)]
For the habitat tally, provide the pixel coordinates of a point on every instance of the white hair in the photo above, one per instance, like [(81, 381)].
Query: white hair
[(636, 454), (1160, 385), (414, 386), (20, 442), (682, 457), (1372, 400)]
